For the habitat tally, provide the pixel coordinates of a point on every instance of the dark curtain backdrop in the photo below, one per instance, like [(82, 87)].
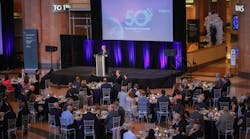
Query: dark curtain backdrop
[(144, 54), (7, 60)]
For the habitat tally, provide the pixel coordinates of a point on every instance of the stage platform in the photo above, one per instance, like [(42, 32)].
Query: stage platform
[(154, 78)]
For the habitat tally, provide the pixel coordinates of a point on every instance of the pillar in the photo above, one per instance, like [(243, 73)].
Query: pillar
[(244, 41), (38, 14)]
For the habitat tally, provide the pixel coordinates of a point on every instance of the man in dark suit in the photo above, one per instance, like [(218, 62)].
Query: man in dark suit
[(179, 123), (23, 110), (120, 111), (162, 98), (57, 111), (117, 82), (108, 122), (196, 115), (104, 52), (71, 92), (107, 85)]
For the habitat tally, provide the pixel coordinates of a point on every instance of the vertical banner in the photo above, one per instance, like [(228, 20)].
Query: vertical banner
[(233, 57), (1, 34), (193, 30), (30, 41)]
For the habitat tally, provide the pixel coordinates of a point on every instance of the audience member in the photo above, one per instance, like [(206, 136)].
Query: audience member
[(56, 111), (108, 122), (77, 83), (224, 98), (151, 134), (71, 92), (122, 97), (120, 111), (221, 124), (218, 81), (68, 117), (179, 123), (195, 132), (130, 133)]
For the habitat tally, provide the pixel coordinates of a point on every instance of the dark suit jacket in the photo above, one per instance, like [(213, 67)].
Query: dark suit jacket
[(162, 98), (23, 111), (181, 125), (224, 99), (108, 122), (121, 113), (8, 115), (106, 85), (57, 113), (196, 135)]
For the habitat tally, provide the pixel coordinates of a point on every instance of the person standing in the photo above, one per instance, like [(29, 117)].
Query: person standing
[(104, 52)]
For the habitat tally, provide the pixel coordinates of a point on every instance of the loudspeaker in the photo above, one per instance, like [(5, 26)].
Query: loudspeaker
[(170, 52), (50, 48)]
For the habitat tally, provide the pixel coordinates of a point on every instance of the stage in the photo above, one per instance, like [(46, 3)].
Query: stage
[(154, 78)]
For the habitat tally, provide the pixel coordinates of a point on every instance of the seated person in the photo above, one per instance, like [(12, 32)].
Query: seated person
[(151, 134), (196, 115), (130, 133), (179, 123), (122, 97), (23, 110), (108, 122), (10, 114), (162, 98), (135, 90), (71, 92), (68, 116), (90, 116), (57, 111), (195, 132), (120, 111), (223, 119), (7, 82), (2, 90), (32, 90)]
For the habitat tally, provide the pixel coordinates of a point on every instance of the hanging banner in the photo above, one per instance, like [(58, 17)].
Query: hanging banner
[(30, 40), (233, 57)]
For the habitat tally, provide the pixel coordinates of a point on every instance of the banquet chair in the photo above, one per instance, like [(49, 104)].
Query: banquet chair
[(66, 131), (116, 128), (217, 95), (163, 111), (143, 110), (32, 110), (246, 129), (52, 124), (224, 104), (228, 131), (83, 97), (25, 124), (105, 96), (76, 104), (89, 128), (50, 106), (12, 128)]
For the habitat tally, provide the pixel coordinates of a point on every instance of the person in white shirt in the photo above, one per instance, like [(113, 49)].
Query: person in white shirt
[(129, 134), (122, 97)]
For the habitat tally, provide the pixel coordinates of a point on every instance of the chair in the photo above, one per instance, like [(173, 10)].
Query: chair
[(143, 110), (83, 97), (52, 124), (116, 128), (11, 127), (163, 111), (65, 131), (224, 104), (247, 127), (106, 95), (50, 106), (89, 128), (25, 123), (32, 111), (76, 104), (217, 95), (228, 131)]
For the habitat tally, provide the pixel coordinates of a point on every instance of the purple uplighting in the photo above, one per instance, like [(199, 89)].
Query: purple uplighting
[(88, 50), (146, 55), (131, 53), (178, 57), (117, 53), (162, 57), (1, 37)]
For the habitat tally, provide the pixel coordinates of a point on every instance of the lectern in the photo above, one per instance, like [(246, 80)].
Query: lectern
[(100, 65)]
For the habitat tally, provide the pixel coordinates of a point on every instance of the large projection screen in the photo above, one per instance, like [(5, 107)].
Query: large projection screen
[(1, 35), (137, 20)]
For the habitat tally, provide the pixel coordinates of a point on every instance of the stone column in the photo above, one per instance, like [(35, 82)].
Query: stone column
[(244, 40), (38, 14)]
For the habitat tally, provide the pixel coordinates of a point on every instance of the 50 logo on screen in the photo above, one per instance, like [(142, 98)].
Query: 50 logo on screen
[(139, 18)]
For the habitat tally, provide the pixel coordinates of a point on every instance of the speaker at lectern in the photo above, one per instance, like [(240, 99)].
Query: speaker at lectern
[(100, 65)]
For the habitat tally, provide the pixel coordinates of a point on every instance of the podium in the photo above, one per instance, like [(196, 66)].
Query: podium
[(100, 65)]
